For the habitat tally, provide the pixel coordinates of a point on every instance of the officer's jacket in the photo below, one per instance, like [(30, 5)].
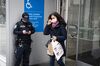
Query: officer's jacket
[(18, 30)]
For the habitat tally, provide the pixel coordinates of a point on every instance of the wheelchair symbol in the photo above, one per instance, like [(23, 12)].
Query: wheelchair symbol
[(28, 5)]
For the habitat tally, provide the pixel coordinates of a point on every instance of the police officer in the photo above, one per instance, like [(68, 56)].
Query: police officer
[(23, 31)]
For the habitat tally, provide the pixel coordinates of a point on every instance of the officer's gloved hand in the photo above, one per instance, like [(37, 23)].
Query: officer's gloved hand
[(25, 32), (29, 32)]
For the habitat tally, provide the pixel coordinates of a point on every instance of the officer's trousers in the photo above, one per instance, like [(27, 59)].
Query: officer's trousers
[(22, 53)]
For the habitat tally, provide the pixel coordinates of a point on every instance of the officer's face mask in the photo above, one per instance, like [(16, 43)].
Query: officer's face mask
[(25, 19)]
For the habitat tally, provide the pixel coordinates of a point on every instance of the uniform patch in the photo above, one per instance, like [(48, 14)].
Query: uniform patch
[(29, 25), (15, 26), (22, 26)]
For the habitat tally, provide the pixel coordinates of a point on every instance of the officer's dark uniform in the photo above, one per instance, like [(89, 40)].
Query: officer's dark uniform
[(23, 42)]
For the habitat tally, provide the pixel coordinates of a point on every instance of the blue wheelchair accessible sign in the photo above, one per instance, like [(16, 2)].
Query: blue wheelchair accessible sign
[(35, 9)]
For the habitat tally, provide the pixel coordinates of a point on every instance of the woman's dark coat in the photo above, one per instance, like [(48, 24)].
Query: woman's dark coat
[(59, 31)]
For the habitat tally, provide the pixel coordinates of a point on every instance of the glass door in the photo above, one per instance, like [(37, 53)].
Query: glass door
[(73, 19), (83, 43), (89, 32)]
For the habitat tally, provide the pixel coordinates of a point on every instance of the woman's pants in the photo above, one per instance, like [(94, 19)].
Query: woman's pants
[(52, 61)]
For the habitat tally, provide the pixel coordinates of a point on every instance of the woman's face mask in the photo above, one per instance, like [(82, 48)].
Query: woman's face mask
[(53, 19)]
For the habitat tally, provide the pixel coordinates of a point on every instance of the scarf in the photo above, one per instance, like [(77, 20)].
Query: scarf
[(54, 24)]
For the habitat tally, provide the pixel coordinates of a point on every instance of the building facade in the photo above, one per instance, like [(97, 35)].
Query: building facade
[(83, 26)]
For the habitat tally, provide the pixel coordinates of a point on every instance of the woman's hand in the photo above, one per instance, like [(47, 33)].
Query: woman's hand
[(54, 38), (49, 22)]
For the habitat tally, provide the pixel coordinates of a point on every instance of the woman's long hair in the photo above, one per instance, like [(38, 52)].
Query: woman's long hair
[(59, 18)]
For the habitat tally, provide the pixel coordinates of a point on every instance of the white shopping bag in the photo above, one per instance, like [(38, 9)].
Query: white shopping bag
[(57, 49)]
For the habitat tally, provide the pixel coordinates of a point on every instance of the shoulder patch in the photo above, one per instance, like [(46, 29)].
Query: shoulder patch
[(15, 26)]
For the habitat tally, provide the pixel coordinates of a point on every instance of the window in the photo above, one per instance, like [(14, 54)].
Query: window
[(3, 29), (2, 11)]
